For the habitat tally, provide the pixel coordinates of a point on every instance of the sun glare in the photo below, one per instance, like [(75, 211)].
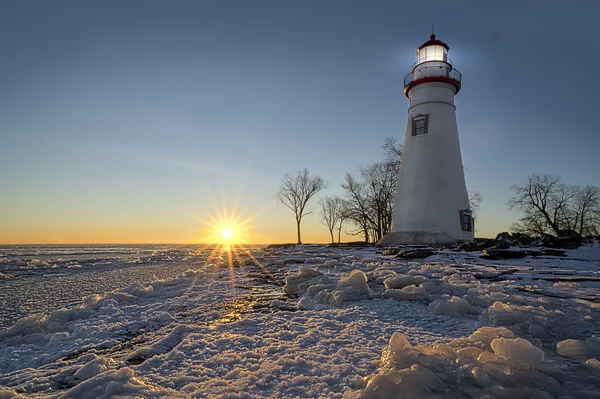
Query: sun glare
[(226, 228), (227, 234)]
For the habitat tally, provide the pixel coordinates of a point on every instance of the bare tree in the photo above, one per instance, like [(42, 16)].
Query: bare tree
[(296, 191), (356, 207), (475, 200), (332, 215), (370, 200), (392, 150), (585, 213), (549, 206)]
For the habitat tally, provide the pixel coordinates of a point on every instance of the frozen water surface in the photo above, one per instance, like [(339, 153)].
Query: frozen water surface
[(306, 321)]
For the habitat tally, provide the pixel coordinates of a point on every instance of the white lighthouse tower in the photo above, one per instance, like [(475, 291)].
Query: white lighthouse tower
[(431, 205)]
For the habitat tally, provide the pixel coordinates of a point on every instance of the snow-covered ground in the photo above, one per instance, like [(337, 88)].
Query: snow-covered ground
[(308, 321)]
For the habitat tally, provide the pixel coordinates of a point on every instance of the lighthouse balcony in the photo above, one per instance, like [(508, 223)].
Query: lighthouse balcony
[(434, 72)]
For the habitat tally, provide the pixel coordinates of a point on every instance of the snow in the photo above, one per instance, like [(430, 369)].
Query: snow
[(310, 321)]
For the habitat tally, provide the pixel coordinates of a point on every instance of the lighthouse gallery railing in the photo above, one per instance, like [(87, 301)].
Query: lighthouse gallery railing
[(433, 71)]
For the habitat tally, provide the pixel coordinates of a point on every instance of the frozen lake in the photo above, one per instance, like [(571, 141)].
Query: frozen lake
[(187, 321)]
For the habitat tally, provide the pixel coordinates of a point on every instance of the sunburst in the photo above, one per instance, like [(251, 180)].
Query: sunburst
[(229, 235)]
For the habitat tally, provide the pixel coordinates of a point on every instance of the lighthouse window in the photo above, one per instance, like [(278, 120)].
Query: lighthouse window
[(466, 220), (420, 124)]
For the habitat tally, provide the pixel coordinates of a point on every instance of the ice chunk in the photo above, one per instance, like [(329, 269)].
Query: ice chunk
[(403, 281), (380, 387), (104, 385), (593, 345), (137, 289), (414, 382), (518, 350), (92, 368), (298, 284), (481, 377), (571, 348), (357, 279), (453, 307), (411, 292), (399, 342), (6, 393), (593, 364), (161, 346), (276, 303), (487, 334), (538, 331), (502, 314)]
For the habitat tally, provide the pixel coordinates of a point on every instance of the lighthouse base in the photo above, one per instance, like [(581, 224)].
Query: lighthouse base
[(416, 238)]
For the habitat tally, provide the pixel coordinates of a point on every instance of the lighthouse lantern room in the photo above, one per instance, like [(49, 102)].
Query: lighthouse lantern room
[(431, 205)]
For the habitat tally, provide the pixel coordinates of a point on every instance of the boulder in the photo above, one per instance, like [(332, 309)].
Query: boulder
[(495, 253), (521, 239), (554, 252), (415, 253), (504, 236)]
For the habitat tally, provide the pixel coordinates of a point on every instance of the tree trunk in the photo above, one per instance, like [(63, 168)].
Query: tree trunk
[(339, 234), (332, 239), (298, 228)]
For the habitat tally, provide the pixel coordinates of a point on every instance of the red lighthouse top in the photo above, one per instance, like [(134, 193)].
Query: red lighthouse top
[(432, 65), (433, 42)]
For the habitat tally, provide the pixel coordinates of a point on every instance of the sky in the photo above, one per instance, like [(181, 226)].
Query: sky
[(133, 121)]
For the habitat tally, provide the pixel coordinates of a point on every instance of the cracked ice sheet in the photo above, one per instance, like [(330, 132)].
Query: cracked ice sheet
[(296, 354), (310, 353)]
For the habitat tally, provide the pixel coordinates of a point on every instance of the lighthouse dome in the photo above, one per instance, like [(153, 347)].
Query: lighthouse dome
[(433, 50)]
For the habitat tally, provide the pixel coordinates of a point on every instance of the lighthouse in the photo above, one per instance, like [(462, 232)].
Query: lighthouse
[(431, 205)]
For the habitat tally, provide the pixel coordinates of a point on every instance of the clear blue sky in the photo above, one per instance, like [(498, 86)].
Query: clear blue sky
[(125, 120)]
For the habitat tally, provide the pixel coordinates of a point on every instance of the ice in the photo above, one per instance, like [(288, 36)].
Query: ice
[(518, 350), (503, 314), (110, 383), (357, 280), (93, 368), (398, 342), (161, 346), (298, 284), (410, 292), (350, 288), (593, 364), (216, 331), (403, 281), (455, 306), (481, 377), (9, 394), (571, 348)]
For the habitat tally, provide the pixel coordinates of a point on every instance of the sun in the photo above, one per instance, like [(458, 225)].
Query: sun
[(226, 228), (227, 233)]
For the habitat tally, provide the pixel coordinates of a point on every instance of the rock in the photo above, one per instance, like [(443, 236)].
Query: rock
[(568, 233), (391, 251), (292, 261), (468, 246), (358, 244), (503, 245), (504, 236), (522, 239), (483, 243), (415, 254), (567, 239), (495, 253), (519, 239), (554, 252)]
